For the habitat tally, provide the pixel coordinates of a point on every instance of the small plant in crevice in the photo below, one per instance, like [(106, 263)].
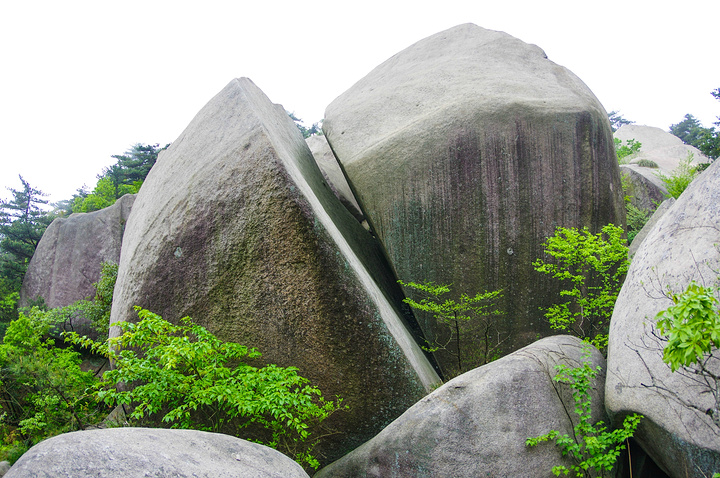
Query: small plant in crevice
[(592, 447), (647, 163), (468, 320), (591, 268)]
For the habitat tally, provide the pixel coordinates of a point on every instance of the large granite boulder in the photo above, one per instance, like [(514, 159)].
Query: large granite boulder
[(141, 452), (466, 151), (235, 227), (69, 257), (477, 424), (677, 431), (659, 146), (642, 184)]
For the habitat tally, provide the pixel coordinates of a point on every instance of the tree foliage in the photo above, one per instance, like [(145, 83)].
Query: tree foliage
[(124, 177), (469, 319), (692, 132), (186, 377), (691, 330), (623, 151), (617, 120), (315, 128), (22, 224), (593, 448), (591, 268)]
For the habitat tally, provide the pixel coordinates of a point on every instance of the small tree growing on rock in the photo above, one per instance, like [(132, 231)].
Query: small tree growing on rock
[(592, 268), (467, 318)]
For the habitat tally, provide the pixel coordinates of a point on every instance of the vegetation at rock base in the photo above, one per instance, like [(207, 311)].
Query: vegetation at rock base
[(592, 447), (185, 377), (680, 178), (623, 151), (468, 319), (43, 391), (636, 218), (591, 267), (690, 329)]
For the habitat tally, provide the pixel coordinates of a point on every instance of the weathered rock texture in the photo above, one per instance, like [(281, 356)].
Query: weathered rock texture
[(235, 227), (683, 245), (467, 150), (665, 149), (643, 186), (69, 257), (332, 172), (141, 452), (477, 424)]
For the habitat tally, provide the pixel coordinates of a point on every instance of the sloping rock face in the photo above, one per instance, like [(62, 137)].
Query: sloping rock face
[(477, 424), (676, 431), (141, 452), (467, 150), (332, 172), (666, 149), (235, 227), (643, 186), (69, 257)]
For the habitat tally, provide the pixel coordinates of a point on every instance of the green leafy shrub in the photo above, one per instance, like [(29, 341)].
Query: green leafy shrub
[(647, 163), (691, 328), (186, 377), (623, 151), (43, 391), (680, 178), (593, 448), (592, 268), (469, 318), (636, 220)]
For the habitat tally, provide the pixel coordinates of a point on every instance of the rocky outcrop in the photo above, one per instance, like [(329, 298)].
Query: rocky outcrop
[(332, 172), (477, 423), (141, 452), (69, 257), (643, 185), (235, 227), (467, 150), (676, 432), (661, 147)]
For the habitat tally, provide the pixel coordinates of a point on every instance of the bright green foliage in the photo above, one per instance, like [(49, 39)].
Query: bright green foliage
[(680, 178), (97, 310), (692, 326), (624, 150), (468, 317), (592, 447), (188, 378), (43, 391), (592, 268), (692, 329)]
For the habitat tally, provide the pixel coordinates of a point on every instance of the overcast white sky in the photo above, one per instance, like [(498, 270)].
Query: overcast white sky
[(83, 80)]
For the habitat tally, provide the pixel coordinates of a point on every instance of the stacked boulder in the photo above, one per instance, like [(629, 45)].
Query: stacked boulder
[(236, 227), (465, 151), (678, 429)]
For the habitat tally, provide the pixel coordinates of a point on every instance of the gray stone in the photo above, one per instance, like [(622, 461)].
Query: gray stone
[(643, 185), (332, 172), (466, 151), (665, 149), (477, 424), (640, 237), (676, 431), (236, 228), (142, 452), (69, 257)]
